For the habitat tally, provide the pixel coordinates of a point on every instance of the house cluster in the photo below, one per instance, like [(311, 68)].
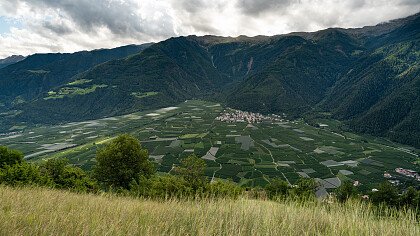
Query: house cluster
[(391, 179), (10, 133), (231, 116), (408, 173)]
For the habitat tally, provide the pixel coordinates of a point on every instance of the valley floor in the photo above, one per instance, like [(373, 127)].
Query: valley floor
[(246, 147), (34, 211)]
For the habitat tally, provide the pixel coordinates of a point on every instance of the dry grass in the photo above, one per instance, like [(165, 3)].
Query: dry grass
[(34, 211)]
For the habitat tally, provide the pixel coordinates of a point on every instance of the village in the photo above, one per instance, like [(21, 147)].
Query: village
[(232, 115), (408, 173)]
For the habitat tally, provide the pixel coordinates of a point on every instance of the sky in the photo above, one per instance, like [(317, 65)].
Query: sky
[(42, 26)]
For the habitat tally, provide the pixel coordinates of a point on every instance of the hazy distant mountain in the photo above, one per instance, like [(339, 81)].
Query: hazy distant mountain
[(10, 60), (368, 77)]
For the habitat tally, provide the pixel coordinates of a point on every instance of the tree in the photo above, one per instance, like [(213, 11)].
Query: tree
[(304, 189), (224, 189), (23, 174), (66, 176), (165, 186), (410, 198), (54, 168), (345, 191), (277, 187), (121, 161), (9, 157), (386, 194), (192, 170)]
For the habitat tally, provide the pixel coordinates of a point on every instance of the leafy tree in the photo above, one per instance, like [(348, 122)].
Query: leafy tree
[(224, 188), (386, 194), (54, 168), (166, 186), (276, 188), (121, 161), (304, 188), (345, 191), (9, 157), (66, 176), (410, 198), (23, 174), (192, 170)]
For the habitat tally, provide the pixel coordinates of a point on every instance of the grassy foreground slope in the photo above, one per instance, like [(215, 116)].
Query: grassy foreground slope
[(34, 211)]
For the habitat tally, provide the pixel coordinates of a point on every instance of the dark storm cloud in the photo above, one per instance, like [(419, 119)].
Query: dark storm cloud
[(193, 6), (256, 7), (59, 28), (120, 17)]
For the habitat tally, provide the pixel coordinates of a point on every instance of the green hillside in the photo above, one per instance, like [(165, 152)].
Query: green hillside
[(380, 93), (38, 73)]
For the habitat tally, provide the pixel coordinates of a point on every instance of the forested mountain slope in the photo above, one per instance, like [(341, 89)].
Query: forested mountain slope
[(38, 73), (163, 74), (380, 92)]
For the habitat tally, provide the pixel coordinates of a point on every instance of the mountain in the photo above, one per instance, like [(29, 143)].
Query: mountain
[(380, 94), (163, 74), (297, 78), (367, 77), (203, 67), (38, 73), (10, 60)]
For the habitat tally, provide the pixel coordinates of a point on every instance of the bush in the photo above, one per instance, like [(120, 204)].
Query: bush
[(167, 186), (9, 157), (304, 189), (121, 161), (386, 194), (65, 176), (277, 188), (410, 198), (345, 191), (192, 170), (23, 174), (224, 189)]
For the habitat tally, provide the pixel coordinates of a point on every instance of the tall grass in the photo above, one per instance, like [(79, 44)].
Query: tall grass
[(35, 211)]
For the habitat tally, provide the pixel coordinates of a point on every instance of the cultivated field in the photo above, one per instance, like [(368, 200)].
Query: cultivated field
[(249, 154)]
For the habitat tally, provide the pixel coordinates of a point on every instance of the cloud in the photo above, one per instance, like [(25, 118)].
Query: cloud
[(72, 25), (120, 17), (257, 7)]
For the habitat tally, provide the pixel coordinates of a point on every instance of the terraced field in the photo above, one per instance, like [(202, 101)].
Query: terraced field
[(249, 154)]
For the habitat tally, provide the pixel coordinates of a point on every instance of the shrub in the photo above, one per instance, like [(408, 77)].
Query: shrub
[(65, 176), (304, 189), (192, 170), (410, 198), (23, 174), (345, 191), (167, 186), (224, 189), (277, 188), (9, 157), (386, 194)]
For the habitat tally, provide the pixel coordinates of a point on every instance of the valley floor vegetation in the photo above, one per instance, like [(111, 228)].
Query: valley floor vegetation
[(124, 194)]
